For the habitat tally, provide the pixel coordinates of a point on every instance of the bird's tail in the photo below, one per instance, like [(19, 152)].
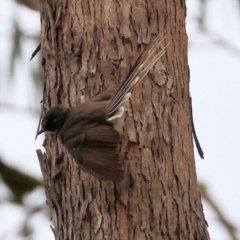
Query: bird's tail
[(142, 66)]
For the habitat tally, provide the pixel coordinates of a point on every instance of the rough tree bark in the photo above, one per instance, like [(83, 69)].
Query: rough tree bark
[(87, 47)]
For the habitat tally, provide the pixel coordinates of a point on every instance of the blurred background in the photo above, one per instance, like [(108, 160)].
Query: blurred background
[(213, 27)]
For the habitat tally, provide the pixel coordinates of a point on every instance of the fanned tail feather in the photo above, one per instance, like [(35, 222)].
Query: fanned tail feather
[(139, 70)]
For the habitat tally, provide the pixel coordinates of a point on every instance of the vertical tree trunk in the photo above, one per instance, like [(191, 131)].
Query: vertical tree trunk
[(87, 47)]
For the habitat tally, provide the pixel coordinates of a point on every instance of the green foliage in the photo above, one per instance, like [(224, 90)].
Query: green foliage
[(16, 47), (18, 182)]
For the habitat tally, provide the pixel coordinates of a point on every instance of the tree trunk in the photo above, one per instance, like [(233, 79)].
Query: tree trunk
[(87, 47)]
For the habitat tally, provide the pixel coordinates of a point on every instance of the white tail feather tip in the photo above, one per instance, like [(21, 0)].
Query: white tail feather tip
[(118, 114)]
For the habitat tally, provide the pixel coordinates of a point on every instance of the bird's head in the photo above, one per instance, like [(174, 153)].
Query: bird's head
[(54, 119)]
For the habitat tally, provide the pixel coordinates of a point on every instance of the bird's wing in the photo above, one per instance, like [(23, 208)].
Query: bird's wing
[(144, 63), (96, 152)]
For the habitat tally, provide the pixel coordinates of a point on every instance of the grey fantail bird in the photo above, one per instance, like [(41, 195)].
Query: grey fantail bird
[(91, 131)]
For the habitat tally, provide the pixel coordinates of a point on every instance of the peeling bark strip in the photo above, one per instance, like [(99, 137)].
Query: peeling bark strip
[(87, 47)]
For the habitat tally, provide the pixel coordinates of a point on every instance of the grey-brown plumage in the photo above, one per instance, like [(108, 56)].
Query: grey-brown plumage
[(89, 131)]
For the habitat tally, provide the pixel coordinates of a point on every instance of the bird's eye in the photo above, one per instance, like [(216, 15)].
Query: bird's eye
[(54, 120)]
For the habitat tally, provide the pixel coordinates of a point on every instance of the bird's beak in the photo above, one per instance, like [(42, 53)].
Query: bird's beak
[(38, 133)]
